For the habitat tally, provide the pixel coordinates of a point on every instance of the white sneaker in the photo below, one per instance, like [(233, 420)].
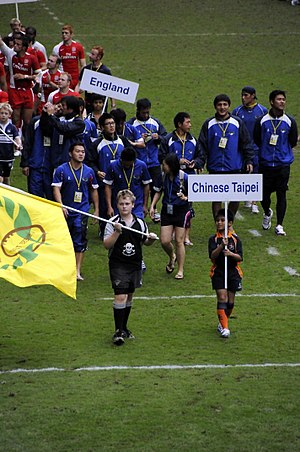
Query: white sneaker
[(254, 208), (17, 153), (279, 230), (266, 223), (156, 217), (248, 204), (219, 328), (295, 2), (225, 332)]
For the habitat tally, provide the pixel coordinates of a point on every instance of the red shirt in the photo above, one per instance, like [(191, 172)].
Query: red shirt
[(46, 87), (2, 58), (70, 55), (25, 65), (56, 96), (2, 70), (39, 54)]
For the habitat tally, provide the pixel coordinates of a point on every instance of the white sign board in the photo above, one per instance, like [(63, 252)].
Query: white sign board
[(227, 187), (6, 2), (109, 86)]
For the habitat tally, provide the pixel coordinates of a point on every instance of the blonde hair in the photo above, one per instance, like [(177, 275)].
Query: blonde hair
[(6, 106), (126, 194)]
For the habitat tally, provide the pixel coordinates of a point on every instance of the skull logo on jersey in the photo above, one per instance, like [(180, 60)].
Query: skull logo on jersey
[(128, 249)]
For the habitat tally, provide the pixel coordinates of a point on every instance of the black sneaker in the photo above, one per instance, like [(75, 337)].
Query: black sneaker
[(128, 334), (118, 338)]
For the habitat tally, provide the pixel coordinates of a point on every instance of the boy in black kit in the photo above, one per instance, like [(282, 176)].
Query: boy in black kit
[(125, 260), (218, 248)]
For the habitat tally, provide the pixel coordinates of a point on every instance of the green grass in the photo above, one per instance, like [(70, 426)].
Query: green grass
[(182, 54)]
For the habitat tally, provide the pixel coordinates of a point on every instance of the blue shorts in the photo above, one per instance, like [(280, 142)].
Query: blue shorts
[(77, 225)]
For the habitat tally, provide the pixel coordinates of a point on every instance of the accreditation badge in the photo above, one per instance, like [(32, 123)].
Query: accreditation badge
[(47, 141), (148, 137), (77, 196), (170, 209), (273, 139), (60, 139), (223, 142)]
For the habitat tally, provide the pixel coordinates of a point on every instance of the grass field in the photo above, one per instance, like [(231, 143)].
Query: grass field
[(178, 386)]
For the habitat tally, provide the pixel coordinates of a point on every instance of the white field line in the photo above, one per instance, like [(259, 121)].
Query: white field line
[(209, 34), (273, 251), (291, 271), (238, 295), (147, 368), (254, 232)]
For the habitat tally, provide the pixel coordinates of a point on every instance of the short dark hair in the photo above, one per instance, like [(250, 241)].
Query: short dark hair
[(143, 103), (221, 98), (30, 30), (72, 102), (275, 93), (180, 117), (104, 117), (73, 146), (96, 96), (221, 213), (128, 154), (119, 115), (173, 163), (24, 39)]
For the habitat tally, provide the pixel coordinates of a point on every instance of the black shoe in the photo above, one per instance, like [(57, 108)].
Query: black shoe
[(118, 338), (127, 334)]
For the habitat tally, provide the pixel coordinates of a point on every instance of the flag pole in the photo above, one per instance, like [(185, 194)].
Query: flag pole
[(17, 190), (7, 136), (226, 235)]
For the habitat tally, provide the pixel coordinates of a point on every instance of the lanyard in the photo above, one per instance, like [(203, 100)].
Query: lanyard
[(275, 127), (222, 128), (170, 188), (130, 178), (110, 148), (145, 127), (183, 143), (78, 182)]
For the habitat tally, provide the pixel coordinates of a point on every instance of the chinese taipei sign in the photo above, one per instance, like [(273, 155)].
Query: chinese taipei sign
[(109, 86), (227, 187)]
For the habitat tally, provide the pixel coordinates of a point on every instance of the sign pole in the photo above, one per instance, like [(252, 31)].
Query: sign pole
[(226, 235)]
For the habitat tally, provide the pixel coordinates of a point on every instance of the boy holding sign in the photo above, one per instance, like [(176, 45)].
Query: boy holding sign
[(219, 247)]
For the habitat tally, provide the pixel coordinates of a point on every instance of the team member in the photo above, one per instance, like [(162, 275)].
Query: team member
[(275, 134), (218, 248), (186, 147), (152, 132), (225, 145), (97, 110), (95, 56), (36, 161), (6, 144), (64, 127), (128, 130), (175, 207), (23, 69), (130, 173), (63, 83), (249, 111), (74, 183), (125, 258), (103, 151), (71, 54), (48, 80), (31, 34)]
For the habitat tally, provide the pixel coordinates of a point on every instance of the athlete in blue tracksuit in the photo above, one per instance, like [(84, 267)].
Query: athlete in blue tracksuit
[(275, 134), (225, 145)]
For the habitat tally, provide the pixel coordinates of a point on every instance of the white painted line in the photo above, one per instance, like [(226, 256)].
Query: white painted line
[(291, 271), (167, 35), (273, 251), (239, 216), (254, 232), (183, 297), (147, 368)]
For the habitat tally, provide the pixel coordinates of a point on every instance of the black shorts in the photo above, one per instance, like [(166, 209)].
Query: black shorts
[(234, 280), (275, 179), (5, 168), (156, 176), (125, 280), (178, 219)]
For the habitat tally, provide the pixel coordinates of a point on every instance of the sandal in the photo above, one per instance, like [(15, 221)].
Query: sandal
[(188, 243), (179, 276), (171, 265)]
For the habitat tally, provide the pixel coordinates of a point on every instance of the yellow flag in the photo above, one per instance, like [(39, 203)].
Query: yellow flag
[(35, 243)]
